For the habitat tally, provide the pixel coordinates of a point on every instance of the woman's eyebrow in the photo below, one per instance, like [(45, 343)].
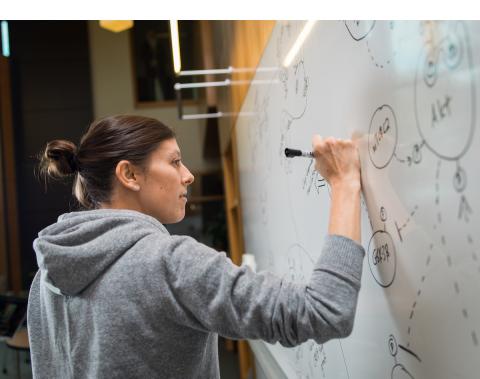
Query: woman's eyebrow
[(175, 153)]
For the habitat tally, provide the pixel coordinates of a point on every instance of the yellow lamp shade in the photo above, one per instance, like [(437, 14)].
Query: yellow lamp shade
[(116, 26)]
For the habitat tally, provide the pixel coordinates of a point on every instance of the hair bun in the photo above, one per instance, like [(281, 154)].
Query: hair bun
[(60, 159)]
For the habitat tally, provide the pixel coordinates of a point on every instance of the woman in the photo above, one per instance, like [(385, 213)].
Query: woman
[(117, 296)]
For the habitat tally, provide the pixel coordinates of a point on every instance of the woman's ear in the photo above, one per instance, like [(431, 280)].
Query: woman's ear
[(128, 175)]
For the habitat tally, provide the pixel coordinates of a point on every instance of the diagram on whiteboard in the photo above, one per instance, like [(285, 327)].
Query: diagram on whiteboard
[(408, 91), (375, 35)]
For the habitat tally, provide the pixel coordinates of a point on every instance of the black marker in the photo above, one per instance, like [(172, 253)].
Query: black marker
[(290, 153)]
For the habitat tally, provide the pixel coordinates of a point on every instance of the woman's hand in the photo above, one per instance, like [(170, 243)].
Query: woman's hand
[(337, 160)]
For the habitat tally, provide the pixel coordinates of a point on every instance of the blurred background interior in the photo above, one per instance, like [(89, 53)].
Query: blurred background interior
[(56, 77)]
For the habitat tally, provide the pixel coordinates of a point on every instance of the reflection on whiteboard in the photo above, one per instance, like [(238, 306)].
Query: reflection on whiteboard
[(409, 90)]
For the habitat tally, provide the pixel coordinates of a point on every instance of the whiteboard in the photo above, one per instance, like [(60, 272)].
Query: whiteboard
[(409, 90)]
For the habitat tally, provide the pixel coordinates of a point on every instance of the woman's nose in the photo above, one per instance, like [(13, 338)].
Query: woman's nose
[(188, 178)]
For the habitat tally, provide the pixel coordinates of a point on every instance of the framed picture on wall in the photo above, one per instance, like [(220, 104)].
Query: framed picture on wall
[(152, 58)]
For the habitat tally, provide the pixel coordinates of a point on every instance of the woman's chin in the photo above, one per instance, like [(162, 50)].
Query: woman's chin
[(177, 218), (171, 218)]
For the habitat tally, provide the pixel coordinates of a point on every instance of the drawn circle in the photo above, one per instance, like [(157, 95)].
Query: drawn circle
[(382, 136), (445, 107), (383, 214), (460, 179), (359, 29), (400, 372), (295, 86), (382, 258), (392, 345), (452, 51)]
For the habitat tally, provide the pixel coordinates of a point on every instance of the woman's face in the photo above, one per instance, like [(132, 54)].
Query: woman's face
[(163, 188)]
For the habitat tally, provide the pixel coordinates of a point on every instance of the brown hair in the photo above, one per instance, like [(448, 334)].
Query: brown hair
[(106, 142)]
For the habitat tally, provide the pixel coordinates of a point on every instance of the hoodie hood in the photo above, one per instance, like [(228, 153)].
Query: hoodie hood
[(80, 246)]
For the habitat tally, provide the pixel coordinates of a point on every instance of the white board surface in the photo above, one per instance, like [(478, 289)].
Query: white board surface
[(410, 89)]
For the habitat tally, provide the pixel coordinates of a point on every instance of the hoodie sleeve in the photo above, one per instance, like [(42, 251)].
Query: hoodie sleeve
[(210, 293)]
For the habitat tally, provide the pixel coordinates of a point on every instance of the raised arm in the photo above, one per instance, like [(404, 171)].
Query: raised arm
[(238, 303), (338, 162)]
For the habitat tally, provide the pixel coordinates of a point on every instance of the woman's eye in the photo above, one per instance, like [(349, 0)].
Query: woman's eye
[(177, 162)]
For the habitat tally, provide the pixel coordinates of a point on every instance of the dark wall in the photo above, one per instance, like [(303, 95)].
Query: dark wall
[(52, 99)]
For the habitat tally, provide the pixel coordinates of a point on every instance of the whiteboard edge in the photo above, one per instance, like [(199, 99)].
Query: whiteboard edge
[(265, 359)]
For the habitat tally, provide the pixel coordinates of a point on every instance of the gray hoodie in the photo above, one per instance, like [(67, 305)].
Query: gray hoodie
[(117, 296)]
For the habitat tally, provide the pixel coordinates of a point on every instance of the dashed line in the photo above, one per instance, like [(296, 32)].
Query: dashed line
[(475, 259), (377, 64), (399, 229), (411, 215), (465, 312), (457, 288), (419, 292), (437, 192), (437, 175), (474, 254)]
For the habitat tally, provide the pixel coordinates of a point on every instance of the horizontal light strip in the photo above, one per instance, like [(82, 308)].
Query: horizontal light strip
[(223, 83), (228, 70), (201, 115)]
